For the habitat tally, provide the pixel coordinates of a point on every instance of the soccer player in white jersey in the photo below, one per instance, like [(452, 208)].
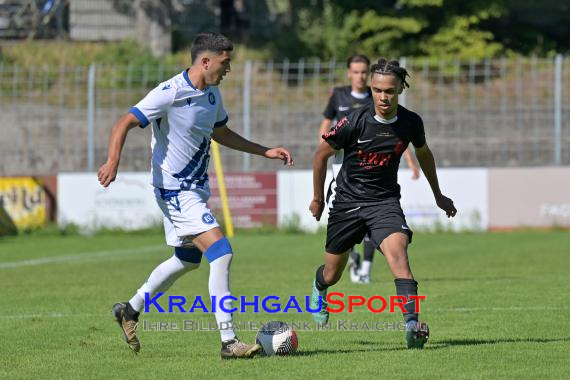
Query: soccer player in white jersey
[(186, 112)]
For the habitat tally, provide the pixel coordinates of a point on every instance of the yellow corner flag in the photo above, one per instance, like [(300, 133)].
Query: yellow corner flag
[(222, 189)]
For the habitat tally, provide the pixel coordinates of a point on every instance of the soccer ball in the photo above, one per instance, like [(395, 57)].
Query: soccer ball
[(276, 338)]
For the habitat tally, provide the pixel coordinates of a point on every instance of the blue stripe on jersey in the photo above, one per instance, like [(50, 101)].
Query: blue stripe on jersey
[(221, 122), (201, 176), (202, 169), (139, 115), (185, 75), (194, 161)]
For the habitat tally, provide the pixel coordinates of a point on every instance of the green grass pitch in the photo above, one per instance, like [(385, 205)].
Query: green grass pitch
[(497, 305)]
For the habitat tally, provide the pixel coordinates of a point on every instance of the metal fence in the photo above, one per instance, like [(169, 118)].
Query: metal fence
[(506, 112)]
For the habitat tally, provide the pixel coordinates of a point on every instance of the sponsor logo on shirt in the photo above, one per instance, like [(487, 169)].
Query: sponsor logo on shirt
[(211, 98), (336, 128), (370, 160)]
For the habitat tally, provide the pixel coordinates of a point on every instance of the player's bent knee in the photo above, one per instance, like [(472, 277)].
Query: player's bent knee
[(191, 255), (218, 249)]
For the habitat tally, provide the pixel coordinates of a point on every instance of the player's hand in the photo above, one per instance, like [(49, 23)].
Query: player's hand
[(107, 173), (280, 154), (316, 207), (446, 205), (415, 173)]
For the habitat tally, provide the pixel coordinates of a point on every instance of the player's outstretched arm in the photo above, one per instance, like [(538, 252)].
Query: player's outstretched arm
[(229, 138), (108, 171), (427, 162), (324, 128), (324, 152), (412, 164)]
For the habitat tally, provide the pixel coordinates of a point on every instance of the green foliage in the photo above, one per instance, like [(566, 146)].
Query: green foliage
[(419, 3), (365, 32), (409, 28), (63, 53), (459, 40)]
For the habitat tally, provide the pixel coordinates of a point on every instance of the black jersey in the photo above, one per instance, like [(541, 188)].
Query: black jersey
[(372, 152), (341, 103)]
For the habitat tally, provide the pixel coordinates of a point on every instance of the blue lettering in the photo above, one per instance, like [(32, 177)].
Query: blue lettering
[(308, 304), (213, 298), (198, 303), (274, 310), (172, 303), (152, 301), (292, 304), (243, 303), (223, 307)]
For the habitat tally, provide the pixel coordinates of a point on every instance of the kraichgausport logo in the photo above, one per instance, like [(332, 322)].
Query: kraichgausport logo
[(337, 303)]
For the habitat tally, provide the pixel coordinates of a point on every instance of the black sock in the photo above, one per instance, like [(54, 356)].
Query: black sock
[(132, 313), (320, 279), (406, 288), (369, 249)]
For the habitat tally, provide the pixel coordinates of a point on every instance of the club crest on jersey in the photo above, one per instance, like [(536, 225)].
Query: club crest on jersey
[(208, 218), (211, 98)]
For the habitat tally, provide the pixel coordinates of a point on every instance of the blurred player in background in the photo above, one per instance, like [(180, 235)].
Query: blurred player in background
[(343, 101), (368, 195), (186, 112)]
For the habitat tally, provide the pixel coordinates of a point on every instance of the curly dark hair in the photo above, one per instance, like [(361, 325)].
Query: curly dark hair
[(385, 67)]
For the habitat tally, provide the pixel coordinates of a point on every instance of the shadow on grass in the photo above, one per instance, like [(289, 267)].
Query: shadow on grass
[(347, 351), (475, 342), (462, 279), (435, 345)]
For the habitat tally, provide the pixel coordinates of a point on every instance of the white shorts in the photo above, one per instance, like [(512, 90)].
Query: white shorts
[(185, 215)]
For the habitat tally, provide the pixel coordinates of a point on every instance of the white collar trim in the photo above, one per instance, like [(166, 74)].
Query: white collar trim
[(384, 121)]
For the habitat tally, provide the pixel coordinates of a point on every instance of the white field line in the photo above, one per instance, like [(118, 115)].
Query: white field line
[(86, 256), (50, 315)]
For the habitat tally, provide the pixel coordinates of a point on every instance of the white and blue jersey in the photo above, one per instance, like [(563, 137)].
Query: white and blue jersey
[(182, 119)]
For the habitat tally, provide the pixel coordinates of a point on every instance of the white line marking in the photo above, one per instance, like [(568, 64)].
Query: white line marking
[(52, 315), (85, 256)]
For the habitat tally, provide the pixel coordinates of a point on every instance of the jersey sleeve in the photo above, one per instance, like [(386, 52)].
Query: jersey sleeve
[(330, 110), (154, 105), (341, 135), (222, 115), (419, 134)]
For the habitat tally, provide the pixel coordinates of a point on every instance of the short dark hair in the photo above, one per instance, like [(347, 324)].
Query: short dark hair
[(358, 58), (210, 41), (385, 67)]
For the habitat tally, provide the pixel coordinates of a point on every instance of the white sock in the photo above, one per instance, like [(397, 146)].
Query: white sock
[(219, 286), (365, 268), (161, 278)]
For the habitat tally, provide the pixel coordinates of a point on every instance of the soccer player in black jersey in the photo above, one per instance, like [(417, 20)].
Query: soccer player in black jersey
[(368, 195), (343, 101)]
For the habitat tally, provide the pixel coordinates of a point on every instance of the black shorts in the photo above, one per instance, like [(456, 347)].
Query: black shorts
[(347, 226)]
